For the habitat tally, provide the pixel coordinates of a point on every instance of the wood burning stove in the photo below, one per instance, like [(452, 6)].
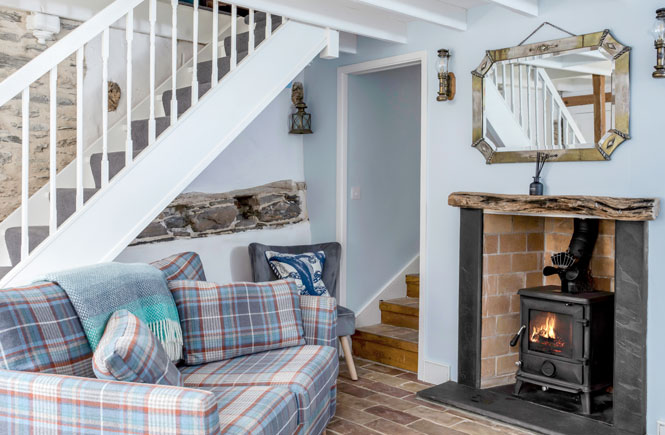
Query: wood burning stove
[(567, 341)]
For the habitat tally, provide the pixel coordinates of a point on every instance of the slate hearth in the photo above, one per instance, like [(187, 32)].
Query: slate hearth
[(623, 411)]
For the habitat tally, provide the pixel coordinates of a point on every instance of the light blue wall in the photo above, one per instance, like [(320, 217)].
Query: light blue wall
[(384, 161), (635, 170)]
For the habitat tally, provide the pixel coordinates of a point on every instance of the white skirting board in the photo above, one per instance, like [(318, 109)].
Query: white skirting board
[(370, 314), (434, 373)]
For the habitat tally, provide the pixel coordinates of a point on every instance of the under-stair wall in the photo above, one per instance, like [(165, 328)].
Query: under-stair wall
[(167, 152)]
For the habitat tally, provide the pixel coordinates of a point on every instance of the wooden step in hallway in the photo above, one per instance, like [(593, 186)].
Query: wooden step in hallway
[(394, 341)]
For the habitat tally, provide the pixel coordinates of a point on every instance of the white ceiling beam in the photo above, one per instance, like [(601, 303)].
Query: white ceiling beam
[(524, 7), (335, 15), (432, 11)]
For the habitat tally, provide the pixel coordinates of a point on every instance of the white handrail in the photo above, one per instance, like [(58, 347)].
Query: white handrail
[(42, 64)]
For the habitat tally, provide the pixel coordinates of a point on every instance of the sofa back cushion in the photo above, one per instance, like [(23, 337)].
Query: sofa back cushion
[(186, 265), (40, 332), (130, 352), (224, 321)]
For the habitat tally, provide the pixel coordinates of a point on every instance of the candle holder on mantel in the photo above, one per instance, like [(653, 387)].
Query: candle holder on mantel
[(536, 188)]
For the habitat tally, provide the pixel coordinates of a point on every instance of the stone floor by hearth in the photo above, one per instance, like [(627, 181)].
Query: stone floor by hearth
[(383, 401)]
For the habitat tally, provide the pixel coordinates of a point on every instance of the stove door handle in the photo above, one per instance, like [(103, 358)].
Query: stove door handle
[(517, 336)]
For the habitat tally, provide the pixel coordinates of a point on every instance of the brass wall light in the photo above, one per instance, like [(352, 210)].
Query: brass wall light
[(301, 121), (659, 42), (446, 78)]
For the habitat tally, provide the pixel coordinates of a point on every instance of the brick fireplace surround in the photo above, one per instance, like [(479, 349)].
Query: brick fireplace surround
[(505, 241)]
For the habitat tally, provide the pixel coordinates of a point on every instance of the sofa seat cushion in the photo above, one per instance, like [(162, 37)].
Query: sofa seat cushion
[(40, 332), (310, 372), (256, 410), (130, 352)]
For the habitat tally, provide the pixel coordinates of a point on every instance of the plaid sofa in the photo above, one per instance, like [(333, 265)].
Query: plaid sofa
[(47, 384)]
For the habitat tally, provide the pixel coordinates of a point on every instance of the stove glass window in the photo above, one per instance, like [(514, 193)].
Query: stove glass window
[(550, 333)]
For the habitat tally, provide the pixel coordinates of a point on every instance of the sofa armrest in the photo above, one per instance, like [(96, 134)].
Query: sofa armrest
[(319, 318), (37, 402)]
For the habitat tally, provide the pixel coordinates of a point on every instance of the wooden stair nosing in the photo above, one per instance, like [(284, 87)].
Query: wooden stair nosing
[(398, 343), (399, 306)]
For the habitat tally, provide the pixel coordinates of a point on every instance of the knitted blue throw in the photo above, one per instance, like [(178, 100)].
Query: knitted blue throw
[(98, 291)]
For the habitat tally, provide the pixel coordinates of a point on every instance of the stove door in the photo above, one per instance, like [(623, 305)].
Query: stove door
[(553, 343)]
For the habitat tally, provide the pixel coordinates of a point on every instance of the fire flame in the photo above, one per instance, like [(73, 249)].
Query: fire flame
[(545, 330)]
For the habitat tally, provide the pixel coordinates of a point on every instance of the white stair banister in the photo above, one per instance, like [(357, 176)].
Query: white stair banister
[(105, 107), (152, 126), (268, 25), (174, 60), (234, 31), (252, 41), (25, 172), (53, 140), (79, 128), (215, 42), (129, 37), (195, 53)]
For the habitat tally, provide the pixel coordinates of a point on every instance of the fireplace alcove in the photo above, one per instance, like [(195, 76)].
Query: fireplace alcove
[(624, 410)]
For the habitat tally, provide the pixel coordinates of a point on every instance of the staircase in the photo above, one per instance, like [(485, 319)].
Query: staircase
[(394, 341), (525, 111), (79, 220)]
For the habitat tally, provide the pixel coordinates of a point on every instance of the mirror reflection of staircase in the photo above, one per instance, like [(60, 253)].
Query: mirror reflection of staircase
[(394, 341)]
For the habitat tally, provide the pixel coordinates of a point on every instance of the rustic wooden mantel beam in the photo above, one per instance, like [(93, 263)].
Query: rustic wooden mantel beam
[(601, 207)]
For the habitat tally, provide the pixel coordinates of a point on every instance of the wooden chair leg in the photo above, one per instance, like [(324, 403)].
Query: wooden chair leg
[(348, 356)]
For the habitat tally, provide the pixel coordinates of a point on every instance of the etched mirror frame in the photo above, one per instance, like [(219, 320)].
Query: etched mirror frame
[(620, 93)]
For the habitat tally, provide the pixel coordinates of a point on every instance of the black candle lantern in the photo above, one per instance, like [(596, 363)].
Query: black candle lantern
[(301, 121)]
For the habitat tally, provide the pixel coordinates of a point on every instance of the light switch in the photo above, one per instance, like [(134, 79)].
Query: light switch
[(355, 192)]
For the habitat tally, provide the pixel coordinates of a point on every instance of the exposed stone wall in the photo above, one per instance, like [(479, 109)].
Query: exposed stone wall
[(18, 47), (195, 214), (515, 251)]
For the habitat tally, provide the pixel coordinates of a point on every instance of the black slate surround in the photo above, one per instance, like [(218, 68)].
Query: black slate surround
[(629, 395)]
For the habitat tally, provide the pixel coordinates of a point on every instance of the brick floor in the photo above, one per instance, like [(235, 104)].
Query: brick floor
[(383, 401)]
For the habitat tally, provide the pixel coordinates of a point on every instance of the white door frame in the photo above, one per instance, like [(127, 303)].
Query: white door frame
[(415, 58)]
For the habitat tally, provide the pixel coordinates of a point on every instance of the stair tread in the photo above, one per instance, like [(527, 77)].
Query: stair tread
[(406, 305), (395, 336), (36, 235), (413, 277), (4, 270)]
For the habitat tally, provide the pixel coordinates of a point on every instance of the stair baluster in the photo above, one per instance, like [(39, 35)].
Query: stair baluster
[(53, 169), (152, 125), (79, 127), (234, 31), (129, 37), (174, 61), (195, 53), (105, 107), (252, 41), (25, 171), (268, 25), (215, 42)]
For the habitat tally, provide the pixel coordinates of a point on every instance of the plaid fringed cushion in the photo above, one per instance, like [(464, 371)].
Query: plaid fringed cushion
[(130, 352), (225, 321), (186, 265), (40, 332)]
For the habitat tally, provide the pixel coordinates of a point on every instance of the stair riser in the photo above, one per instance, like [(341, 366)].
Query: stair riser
[(413, 290), (384, 354), (398, 319)]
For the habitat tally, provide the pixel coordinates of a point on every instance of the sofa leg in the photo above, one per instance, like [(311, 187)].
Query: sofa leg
[(345, 341)]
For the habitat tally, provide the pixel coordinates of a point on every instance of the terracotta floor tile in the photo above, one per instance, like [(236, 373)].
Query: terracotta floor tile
[(356, 402), (475, 428), (409, 376), (344, 427), (391, 402), (414, 399), (429, 428), (392, 414), (440, 417), (353, 390), (354, 415), (393, 381), (385, 369), (413, 386), (387, 389), (389, 428)]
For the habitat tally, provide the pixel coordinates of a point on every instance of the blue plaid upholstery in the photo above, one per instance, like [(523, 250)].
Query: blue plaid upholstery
[(40, 332), (225, 321), (310, 372), (256, 410), (130, 352), (44, 403), (319, 317), (186, 265)]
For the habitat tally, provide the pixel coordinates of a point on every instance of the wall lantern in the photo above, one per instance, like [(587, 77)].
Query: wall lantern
[(659, 42), (301, 121), (446, 78)]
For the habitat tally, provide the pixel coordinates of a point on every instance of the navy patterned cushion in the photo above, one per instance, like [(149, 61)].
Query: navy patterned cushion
[(40, 332), (130, 352), (224, 321), (306, 269)]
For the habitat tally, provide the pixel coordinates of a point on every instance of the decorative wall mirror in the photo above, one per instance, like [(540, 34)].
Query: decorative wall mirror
[(567, 97)]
